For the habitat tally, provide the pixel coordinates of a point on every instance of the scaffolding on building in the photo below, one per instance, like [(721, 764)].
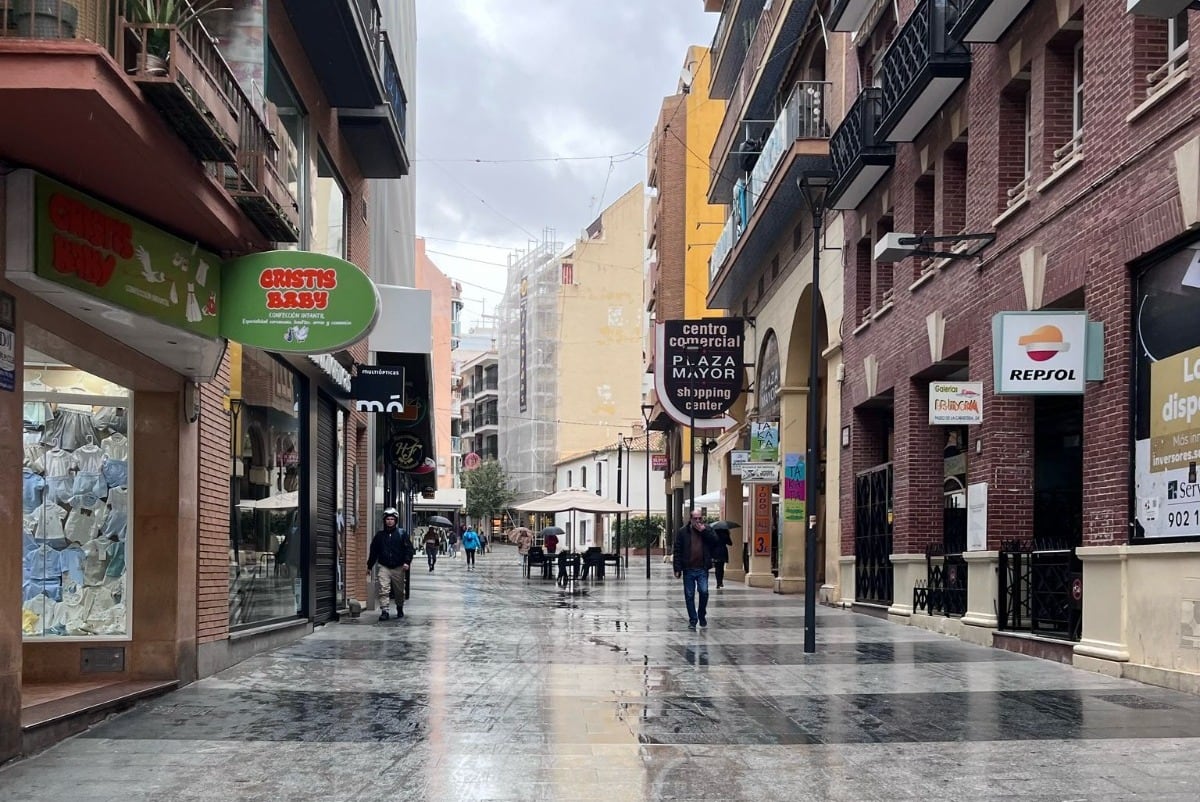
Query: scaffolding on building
[(529, 333)]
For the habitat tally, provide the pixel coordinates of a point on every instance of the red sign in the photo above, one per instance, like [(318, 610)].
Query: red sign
[(471, 461), (762, 520), (658, 462)]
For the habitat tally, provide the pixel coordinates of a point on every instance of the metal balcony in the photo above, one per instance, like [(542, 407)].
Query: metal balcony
[(186, 78), (259, 180), (755, 98), (860, 159), (377, 136), (341, 40), (922, 67), (985, 20), (799, 141), (848, 15), (735, 30)]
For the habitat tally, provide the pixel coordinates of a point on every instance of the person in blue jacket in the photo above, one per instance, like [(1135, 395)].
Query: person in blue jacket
[(470, 544)]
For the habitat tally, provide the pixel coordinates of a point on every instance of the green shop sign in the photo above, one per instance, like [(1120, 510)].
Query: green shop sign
[(296, 301), (95, 249)]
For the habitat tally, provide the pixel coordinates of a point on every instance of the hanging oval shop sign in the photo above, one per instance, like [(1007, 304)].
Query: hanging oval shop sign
[(297, 302)]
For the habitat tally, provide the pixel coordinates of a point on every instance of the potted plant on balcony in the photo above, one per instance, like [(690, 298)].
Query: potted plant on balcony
[(178, 14)]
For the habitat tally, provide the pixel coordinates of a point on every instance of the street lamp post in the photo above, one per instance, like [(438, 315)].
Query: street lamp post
[(814, 185), (235, 486), (692, 349), (617, 542), (646, 410), (628, 496)]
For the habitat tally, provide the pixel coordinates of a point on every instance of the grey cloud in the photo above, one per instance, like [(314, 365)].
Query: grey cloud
[(545, 77)]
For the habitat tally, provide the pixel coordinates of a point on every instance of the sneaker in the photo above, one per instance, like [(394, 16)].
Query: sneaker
[(400, 613), (383, 615), (692, 626), (703, 623)]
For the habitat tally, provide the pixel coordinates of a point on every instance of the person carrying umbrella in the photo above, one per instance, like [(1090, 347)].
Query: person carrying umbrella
[(721, 550), (392, 550)]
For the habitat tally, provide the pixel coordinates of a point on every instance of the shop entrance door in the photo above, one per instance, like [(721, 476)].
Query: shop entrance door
[(873, 575), (324, 526)]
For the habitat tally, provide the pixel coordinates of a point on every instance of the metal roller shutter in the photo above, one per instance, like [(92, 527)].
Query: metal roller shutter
[(324, 527)]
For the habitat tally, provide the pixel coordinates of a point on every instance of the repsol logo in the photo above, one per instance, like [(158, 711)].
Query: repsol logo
[(1040, 375)]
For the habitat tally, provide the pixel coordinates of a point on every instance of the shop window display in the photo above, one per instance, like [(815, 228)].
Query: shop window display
[(266, 549), (75, 502)]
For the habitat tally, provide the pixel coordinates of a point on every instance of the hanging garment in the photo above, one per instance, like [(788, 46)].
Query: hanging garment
[(115, 473), (50, 588), (48, 521), (28, 541), (33, 487), (34, 456), (58, 462), (80, 526), (110, 419), (95, 553), (45, 611), (70, 429), (37, 414), (116, 446), (89, 483), (117, 519), (72, 559), (43, 563), (193, 309), (116, 560)]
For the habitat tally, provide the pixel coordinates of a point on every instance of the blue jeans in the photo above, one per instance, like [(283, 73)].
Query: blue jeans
[(695, 579)]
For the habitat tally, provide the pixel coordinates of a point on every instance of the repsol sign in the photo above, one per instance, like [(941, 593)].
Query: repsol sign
[(1041, 375)]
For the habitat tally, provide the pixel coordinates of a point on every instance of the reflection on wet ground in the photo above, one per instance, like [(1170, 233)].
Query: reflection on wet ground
[(494, 687)]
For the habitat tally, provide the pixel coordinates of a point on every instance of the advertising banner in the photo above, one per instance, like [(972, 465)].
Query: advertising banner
[(977, 516), (96, 249), (658, 462), (955, 403), (760, 473), (1040, 353), (736, 460), (764, 441), (762, 521), (378, 388), (795, 489), (699, 369), (297, 302), (1166, 409)]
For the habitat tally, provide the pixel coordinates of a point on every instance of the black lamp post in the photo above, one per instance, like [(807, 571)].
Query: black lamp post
[(692, 350), (628, 441), (814, 185), (646, 410), (235, 482)]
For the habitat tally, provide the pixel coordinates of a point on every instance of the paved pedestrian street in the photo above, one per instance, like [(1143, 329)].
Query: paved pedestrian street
[(499, 688)]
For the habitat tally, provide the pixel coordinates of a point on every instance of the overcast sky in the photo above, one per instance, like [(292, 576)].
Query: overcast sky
[(527, 87)]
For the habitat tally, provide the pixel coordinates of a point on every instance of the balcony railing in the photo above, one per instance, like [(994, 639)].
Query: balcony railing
[(803, 117), (860, 159), (187, 79), (922, 67), (257, 181), (721, 250), (90, 20)]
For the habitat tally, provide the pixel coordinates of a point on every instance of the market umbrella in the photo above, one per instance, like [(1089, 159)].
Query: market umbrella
[(726, 525), (573, 498), (281, 501), (438, 520)]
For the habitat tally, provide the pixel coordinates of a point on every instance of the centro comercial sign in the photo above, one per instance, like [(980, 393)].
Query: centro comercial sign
[(699, 369), (1040, 353)]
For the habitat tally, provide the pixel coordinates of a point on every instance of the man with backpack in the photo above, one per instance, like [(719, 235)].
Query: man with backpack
[(392, 550)]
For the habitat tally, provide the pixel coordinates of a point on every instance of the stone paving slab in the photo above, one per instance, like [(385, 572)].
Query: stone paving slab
[(495, 688)]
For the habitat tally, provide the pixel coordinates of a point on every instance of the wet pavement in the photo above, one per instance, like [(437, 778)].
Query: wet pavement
[(499, 688)]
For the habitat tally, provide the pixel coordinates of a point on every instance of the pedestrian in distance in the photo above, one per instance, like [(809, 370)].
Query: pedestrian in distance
[(452, 536), (470, 544), (551, 543), (392, 551), (431, 547), (721, 554), (695, 543)]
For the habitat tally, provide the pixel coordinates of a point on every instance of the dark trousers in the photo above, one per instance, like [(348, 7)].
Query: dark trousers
[(719, 570), (470, 556), (431, 554)]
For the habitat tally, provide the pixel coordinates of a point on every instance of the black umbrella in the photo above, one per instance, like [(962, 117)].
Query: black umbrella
[(553, 530), (438, 520), (726, 525)]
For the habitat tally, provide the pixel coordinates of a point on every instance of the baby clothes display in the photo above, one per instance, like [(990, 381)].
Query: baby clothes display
[(75, 505)]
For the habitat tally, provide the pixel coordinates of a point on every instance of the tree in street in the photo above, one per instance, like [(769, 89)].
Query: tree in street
[(637, 531), (488, 492)]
